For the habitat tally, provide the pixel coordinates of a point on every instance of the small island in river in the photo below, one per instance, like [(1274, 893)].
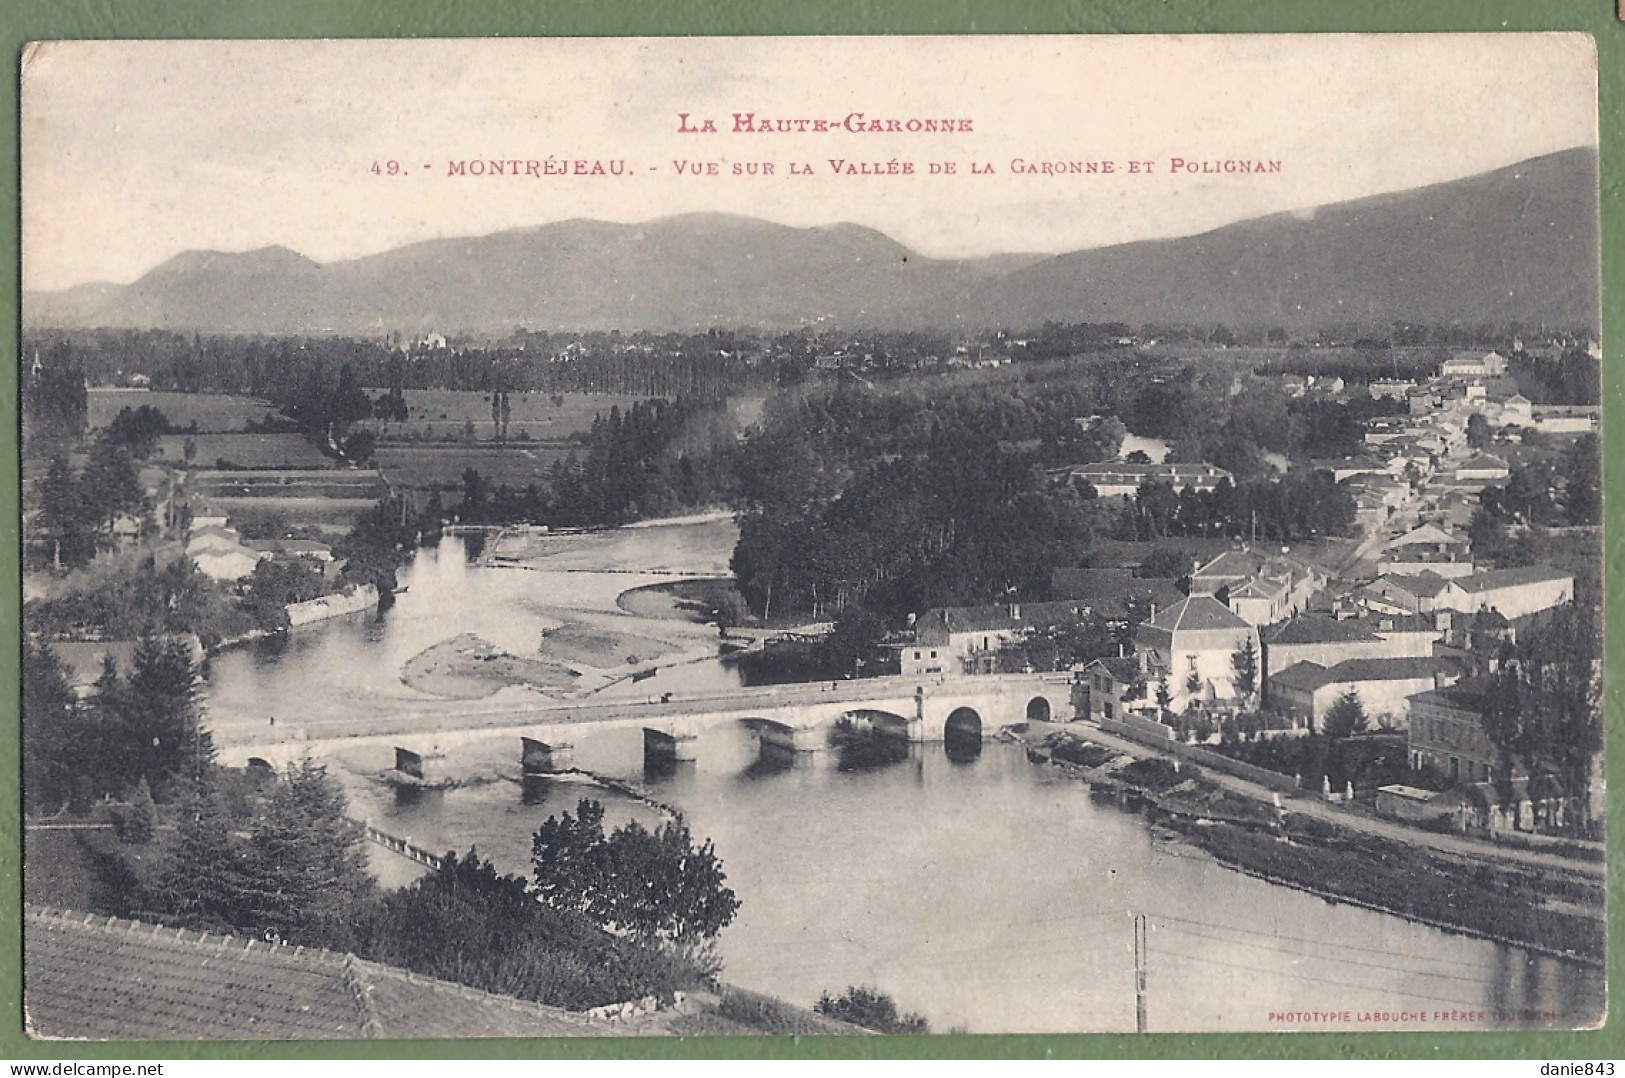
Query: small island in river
[(467, 667)]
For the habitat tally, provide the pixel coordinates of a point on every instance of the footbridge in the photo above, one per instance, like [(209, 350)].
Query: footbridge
[(798, 717)]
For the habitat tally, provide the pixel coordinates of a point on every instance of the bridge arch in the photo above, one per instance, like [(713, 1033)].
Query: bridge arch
[(962, 724), (1038, 709)]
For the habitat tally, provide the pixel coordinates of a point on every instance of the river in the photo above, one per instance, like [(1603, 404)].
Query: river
[(990, 895)]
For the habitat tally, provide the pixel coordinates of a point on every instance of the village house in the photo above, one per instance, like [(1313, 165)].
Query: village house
[(1482, 468), (1260, 586), (1114, 594), (1327, 641), (967, 639), (1446, 732), (1392, 389), (1426, 548), (221, 554), (1515, 411), (1396, 594), (1384, 429), (1513, 593), (1116, 479), (1190, 646), (1565, 419), (1117, 688), (1306, 691), (1474, 365), (1363, 464), (1423, 400)]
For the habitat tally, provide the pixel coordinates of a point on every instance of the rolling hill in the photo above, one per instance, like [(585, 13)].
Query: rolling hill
[(1519, 243)]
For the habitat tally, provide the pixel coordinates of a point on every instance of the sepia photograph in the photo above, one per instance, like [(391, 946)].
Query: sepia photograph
[(683, 537)]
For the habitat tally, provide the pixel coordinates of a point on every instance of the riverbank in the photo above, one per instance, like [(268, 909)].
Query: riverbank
[(1494, 899)]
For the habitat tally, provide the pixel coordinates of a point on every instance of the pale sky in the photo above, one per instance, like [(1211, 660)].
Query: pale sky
[(135, 151)]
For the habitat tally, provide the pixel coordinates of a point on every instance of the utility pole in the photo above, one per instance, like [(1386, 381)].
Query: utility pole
[(1139, 972)]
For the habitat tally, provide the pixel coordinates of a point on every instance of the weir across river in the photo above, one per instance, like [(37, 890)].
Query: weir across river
[(798, 716)]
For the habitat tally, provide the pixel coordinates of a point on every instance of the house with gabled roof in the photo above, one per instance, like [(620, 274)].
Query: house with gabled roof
[(1483, 468), (1418, 594), (1263, 587), (1327, 640), (967, 639), (1426, 548), (1513, 593), (1118, 479), (1118, 686), (1190, 645), (1307, 691)]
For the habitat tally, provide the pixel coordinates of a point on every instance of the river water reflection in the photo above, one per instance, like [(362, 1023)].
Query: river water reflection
[(986, 892)]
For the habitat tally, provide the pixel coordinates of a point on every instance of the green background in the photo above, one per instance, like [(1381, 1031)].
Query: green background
[(26, 20)]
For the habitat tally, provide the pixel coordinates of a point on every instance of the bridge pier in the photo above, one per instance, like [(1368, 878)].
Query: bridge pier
[(413, 768), (803, 738), (668, 746), (541, 758)]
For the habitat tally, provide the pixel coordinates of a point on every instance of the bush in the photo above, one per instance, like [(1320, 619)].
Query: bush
[(871, 1009), (137, 822)]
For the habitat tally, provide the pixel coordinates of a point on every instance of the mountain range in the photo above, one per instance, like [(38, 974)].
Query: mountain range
[(1516, 244)]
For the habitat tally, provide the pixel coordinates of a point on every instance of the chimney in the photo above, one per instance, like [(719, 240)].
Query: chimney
[(1015, 611)]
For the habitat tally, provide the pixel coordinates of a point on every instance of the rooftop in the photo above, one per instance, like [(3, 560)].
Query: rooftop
[(1383, 670), (102, 978), (1196, 613), (1511, 578), (1319, 629)]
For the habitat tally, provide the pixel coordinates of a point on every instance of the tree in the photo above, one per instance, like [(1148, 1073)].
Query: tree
[(276, 583), (1346, 717), (871, 1009), (1193, 678), (50, 724), (207, 878), (654, 885), (852, 641), (468, 923), (1137, 456), (1478, 431), (310, 877), (159, 725), (136, 430), (1165, 696), (138, 822), (1582, 481), (359, 447), (1244, 661), (1164, 561)]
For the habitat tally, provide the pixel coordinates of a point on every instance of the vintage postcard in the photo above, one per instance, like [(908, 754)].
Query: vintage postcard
[(614, 537)]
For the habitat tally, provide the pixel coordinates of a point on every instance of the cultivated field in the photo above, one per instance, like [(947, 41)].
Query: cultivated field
[(242, 451), (431, 467), (213, 413), (434, 414)]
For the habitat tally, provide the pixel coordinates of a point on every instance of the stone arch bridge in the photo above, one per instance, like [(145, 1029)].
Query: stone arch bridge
[(798, 716)]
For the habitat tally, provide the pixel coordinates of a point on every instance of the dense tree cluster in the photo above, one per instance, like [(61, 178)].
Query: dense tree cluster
[(1300, 505), (963, 523), (80, 509), (468, 923), (1542, 491), (1544, 703), (54, 400), (651, 885), (1573, 377), (656, 457), (145, 599), (139, 726)]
